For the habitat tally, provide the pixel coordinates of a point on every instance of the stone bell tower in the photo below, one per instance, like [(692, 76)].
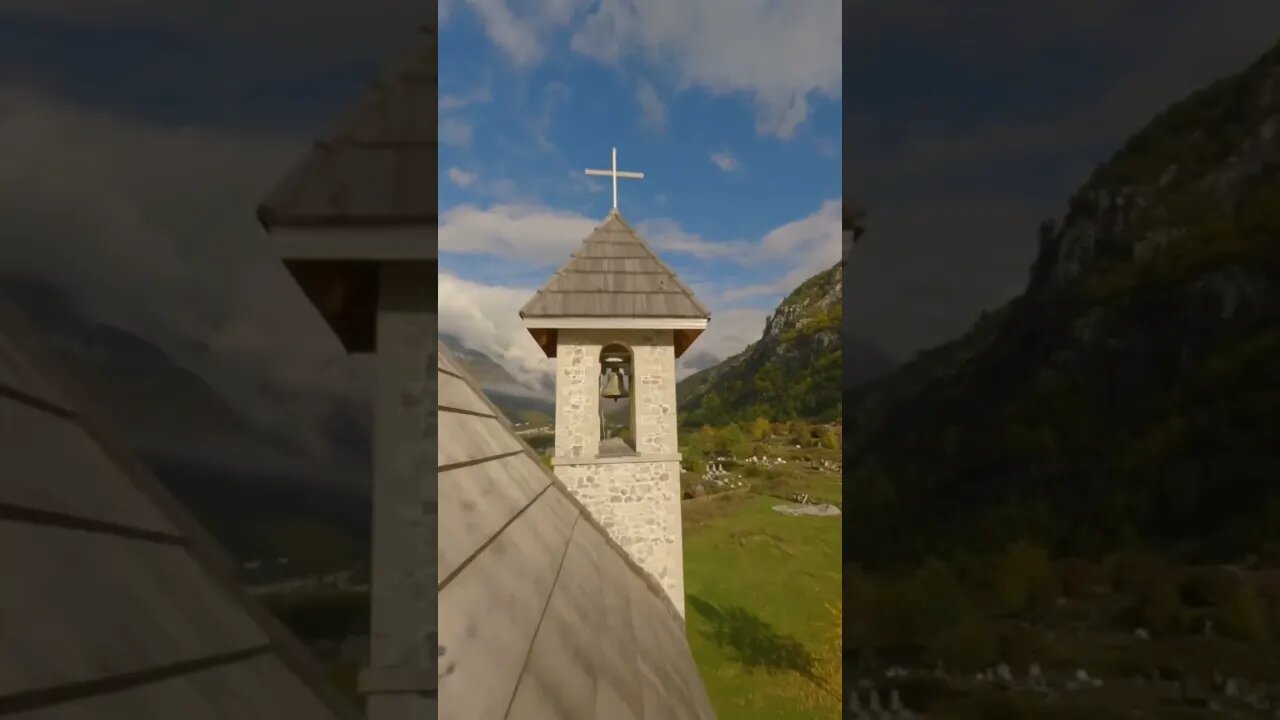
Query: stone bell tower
[(615, 319)]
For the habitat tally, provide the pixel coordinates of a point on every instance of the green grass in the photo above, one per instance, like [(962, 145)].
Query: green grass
[(757, 589)]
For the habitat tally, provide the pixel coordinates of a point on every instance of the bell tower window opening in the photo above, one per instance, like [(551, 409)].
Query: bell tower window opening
[(616, 383)]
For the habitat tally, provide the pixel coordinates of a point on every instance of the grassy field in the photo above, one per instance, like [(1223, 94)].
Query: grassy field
[(763, 599)]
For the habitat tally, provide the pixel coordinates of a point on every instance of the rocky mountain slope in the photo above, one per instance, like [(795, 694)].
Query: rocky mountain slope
[(792, 371), (1132, 392), (251, 490), (518, 402), (260, 497)]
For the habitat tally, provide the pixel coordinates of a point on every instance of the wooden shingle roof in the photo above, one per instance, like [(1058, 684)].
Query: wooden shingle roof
[(615, 274), (116, 603), (379, 166), (542, 615)]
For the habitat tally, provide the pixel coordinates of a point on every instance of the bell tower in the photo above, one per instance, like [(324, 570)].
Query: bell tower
[(616, 318)]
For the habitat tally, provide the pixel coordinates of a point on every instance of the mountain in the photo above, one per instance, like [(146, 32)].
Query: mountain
[(518, 402), (1131, 393), (244, 485), (483, 368), (792, 371)]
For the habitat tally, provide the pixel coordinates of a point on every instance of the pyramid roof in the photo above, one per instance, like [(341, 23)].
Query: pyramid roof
[(120, 605), (542, 614)]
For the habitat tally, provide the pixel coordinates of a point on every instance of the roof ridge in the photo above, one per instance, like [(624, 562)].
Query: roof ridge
[(679, 283), (535, 308), (318, 188), (650, 581)]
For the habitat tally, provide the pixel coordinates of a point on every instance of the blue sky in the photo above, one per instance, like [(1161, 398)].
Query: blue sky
[(742, 169), (137, 138)]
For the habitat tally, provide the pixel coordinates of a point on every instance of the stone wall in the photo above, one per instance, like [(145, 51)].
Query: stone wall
[(636, 499), (653, 391), (638, 503)]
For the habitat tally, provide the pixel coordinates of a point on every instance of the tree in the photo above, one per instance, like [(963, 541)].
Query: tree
[(760, 429), (800, 429), (732, 441), (830, 440), (707, 436)]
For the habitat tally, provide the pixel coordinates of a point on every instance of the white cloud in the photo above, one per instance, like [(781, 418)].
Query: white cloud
[(779, 53), (529, 233), (725, 161), (150, 228), (554, 94), (461, 178), (727, 334), (487, 318), (522, 35), (651, 106), (806, 246), (666, 234), (479, 95), (582, 182), (812, 243), (516, 37), (455, 132)]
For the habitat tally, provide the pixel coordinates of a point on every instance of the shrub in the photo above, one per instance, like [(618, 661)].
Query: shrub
[(1207, 587), (1021, 579), (967, 645), (1243, 613), (1158, 606), (1079, 578), (759, 429), (1020, 645), (1270, 593), (1132, 571), (800, 429)]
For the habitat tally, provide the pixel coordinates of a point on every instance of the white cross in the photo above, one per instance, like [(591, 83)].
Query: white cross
[(616, 173)]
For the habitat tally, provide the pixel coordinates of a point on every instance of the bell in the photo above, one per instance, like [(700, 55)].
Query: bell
[(613, 385)]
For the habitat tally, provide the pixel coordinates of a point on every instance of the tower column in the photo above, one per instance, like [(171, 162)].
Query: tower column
[(617, 305), (400, 681), (635, 496)]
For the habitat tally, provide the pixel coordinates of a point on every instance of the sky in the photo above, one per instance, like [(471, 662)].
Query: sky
[(137, 138), (731, 110)]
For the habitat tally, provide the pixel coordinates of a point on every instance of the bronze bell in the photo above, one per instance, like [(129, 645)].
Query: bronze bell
[(613, 387)]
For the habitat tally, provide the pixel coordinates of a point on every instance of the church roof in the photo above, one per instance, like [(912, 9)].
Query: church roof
[(541, 613), (379, 166), (615, 274), (116, 603)]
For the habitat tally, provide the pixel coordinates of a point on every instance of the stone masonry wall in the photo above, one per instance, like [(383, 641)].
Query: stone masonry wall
[(638, 501), (639, 505)]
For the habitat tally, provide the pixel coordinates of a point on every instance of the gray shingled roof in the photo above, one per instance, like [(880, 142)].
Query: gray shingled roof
[(541, 614), (115, 603), (615, 274), (379, 167)]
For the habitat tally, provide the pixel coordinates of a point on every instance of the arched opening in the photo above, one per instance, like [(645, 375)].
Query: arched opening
[(617, 410)]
